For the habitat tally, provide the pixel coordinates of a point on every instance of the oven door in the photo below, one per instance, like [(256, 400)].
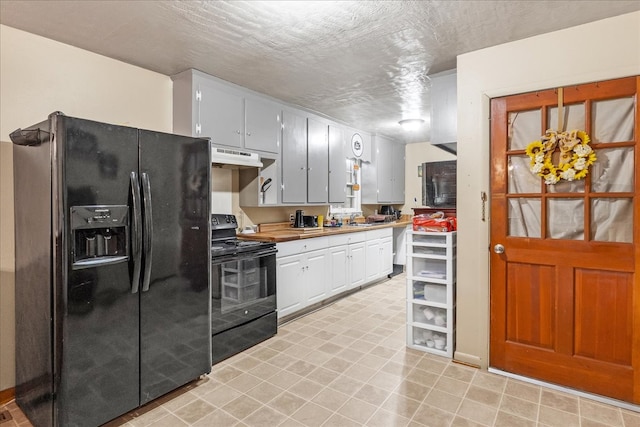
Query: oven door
[(243, 288)]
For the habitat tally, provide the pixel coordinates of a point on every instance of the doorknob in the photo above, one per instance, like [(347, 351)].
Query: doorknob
[(499, 249)]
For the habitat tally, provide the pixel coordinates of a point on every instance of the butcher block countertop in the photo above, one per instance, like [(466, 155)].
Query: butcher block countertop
[(280, 235)]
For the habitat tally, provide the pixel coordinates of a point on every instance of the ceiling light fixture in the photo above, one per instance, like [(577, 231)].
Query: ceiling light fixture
[(411, 124)]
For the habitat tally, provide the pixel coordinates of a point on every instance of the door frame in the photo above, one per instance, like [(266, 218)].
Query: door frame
[(636, 240)]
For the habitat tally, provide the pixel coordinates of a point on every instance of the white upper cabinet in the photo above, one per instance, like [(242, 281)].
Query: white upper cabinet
[(219, 114), (305, 159), (383, 177), (205, 106), (317, 161), (337, 165), (294, 158), (444, 112), (263, 125)]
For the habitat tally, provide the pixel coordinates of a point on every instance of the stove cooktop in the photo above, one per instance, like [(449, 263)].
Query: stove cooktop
[(224, 241)]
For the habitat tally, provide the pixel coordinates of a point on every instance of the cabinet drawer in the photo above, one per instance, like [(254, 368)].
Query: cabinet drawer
[(429, 250), (429, 269), (429, 292), (429, 339), (301, 246), (347, 238), (436, 239), (379, 234), (428, 315)]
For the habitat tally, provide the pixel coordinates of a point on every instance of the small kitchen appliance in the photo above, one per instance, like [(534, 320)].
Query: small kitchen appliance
[(298, 222), (310, 220)]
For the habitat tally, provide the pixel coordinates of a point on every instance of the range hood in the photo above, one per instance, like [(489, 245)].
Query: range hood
[(234, 159), (444, 111)]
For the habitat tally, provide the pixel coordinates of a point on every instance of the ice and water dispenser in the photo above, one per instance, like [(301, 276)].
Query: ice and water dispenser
[(100, 235)]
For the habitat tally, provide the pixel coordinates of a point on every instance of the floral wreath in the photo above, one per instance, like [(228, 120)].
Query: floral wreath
[(575, 156)]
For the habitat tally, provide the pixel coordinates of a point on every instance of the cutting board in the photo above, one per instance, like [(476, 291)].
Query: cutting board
[(286, 226)]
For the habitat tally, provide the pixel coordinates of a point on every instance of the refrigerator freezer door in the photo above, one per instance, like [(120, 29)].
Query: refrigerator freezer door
[(96, 354), (175, 338)]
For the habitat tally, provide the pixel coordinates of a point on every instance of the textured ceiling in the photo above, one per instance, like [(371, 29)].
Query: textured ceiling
[(365, 63)]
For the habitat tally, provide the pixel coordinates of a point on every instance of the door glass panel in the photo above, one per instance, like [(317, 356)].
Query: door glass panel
[(524, 217), (521, 179), (613, 171), (612, 120), (612, 220), (524, 127), (573, 117), (565, 219), (563, 186)]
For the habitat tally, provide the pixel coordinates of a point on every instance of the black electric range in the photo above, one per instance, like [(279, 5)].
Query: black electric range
[(243, 290), (224, 241)]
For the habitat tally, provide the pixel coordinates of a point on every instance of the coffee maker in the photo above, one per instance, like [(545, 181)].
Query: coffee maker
[(298, 222)]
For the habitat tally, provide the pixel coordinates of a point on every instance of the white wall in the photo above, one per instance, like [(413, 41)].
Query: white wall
[(39, 76), (597, 51)]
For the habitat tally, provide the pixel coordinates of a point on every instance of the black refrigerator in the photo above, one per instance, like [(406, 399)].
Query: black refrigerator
[(112, 268)]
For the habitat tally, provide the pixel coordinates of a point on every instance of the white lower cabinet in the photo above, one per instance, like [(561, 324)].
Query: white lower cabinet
[(339, 260), (379, 253), (314, 269), (431, 283), (314, 276), (301, 268), (357, 270), (347, 259), (290, 292)]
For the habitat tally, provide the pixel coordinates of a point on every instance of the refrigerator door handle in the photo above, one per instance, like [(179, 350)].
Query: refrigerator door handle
[(136, 232), (148, 230)]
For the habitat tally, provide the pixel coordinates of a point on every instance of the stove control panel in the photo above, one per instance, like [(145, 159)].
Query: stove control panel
[(223, 221)]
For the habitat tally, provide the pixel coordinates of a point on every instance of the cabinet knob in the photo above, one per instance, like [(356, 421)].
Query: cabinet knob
[(238, 132), (248, 133), (499, 249)]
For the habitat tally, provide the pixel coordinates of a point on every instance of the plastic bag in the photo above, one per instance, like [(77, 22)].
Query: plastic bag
[(427, 222)]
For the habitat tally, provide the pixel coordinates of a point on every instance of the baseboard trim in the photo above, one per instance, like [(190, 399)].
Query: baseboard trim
[(468, 359), (7, 395), (596, 397)]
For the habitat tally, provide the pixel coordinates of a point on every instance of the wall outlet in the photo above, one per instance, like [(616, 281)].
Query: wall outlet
[(292, 217)]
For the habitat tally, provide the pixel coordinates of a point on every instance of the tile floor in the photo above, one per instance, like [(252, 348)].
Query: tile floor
[(347, 365)]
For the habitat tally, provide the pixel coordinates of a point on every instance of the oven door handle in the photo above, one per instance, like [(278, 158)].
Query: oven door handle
[(243, 255), (264, 252)]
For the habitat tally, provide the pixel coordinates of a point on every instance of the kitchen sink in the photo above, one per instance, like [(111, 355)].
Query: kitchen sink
[(359, 225)]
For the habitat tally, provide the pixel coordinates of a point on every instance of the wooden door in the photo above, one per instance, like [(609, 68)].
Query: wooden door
[(565, 296)]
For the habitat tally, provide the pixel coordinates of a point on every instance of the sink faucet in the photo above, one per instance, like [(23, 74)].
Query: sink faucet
[(352, 218)]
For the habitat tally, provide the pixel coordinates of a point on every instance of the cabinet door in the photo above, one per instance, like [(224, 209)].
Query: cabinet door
[(372, 260), (357, 265), (263, 130), (337, 165), (315, 280), (290, 292), (221, 114), (386, 254), (294, 158), (398, 173), (385, 164), (339, 260), (317, 161)]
